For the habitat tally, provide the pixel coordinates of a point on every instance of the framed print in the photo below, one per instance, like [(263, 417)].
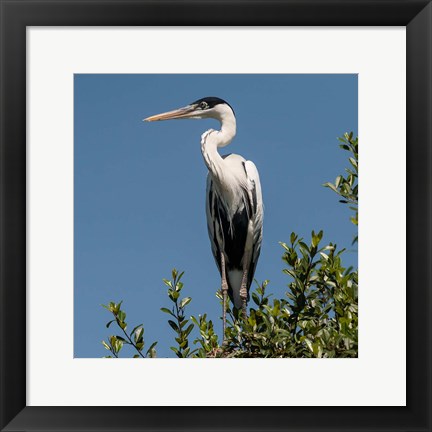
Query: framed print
[(96, 204)]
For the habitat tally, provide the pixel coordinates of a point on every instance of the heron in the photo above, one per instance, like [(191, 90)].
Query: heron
[(234, 205)]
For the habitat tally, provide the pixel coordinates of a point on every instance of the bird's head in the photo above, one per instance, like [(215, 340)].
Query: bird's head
[(208, 107)]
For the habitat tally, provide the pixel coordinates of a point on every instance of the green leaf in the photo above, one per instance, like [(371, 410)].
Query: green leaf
[(151, 348), (173, 325), (121, 315), (315, 239), (107, 347), (109, 323), (167, 283), (118, 345), (185, 302), (188, 330), (325, 256), (134, 329), (166, 310), (331, 186), (304, 245), (285, 246), (140, 345), (174, 273), (138, 334), (309, 344), (255, 298)]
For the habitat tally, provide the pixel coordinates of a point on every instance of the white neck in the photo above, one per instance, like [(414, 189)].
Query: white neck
[(212, 140)]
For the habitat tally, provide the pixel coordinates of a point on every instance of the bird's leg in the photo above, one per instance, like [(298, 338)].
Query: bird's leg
[(224, 289), (243, 292)]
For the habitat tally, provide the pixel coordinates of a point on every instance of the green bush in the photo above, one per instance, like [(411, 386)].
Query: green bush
[(317, 318)]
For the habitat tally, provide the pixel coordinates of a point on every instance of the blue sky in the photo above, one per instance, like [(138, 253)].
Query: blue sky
[(140, 188)]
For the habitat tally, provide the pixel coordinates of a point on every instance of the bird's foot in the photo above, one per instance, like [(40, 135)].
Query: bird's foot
[(224, 303), (244, 310), (243, 296)]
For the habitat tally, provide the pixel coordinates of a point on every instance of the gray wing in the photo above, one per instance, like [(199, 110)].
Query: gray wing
[(251, 219), (257, 215), (213, 222)]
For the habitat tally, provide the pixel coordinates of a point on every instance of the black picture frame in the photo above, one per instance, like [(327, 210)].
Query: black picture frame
[(16, 15)]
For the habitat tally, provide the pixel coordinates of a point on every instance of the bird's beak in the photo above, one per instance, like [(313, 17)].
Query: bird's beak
[(180, 113)]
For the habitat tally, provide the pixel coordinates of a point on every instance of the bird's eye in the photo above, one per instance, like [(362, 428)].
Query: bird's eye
[(203, 105)]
